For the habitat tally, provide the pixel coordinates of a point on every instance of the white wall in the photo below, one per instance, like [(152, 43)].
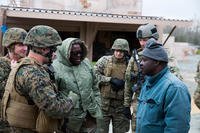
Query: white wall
[(133, 7)]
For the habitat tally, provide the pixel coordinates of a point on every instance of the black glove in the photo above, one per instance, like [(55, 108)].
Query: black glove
[(127, 113), (133, 76), (117, 84)]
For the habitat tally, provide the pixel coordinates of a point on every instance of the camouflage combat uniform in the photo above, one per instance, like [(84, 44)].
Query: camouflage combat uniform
[(128, 94), (32, 102), (173, 65), (130, 98), (4, 72), (197, 92), (11, 37), (108, 67)]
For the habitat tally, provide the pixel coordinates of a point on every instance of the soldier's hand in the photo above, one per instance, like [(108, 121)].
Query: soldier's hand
[(127, 113), (117, 84), (74, 97), (133, 76)]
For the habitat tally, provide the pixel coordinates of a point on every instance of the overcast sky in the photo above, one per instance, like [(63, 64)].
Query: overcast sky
[(175, 9)]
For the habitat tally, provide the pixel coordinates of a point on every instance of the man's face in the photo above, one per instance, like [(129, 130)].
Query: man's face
[(142, 42), (148, 66), (75, 54), (20, 50), (49, 54), (119, 54)]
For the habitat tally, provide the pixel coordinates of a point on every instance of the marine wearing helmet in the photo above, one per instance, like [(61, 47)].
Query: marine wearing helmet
[(147, 31), (13, 35), (43, 36), (120, 44)]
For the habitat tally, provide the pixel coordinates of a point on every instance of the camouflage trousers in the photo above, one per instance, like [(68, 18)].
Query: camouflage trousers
[(89, 125), (134, 107), (196, 96), (113, 111), (20, 130), (4, 126), (23, 130)]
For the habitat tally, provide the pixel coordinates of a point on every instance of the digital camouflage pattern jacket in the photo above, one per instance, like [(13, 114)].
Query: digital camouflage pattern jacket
[(197, 92), (4, 72)]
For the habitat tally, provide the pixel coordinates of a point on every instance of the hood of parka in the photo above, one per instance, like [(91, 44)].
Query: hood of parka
[(63, 51)]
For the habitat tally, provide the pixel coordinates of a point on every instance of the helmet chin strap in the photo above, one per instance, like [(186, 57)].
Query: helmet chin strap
[(49, 56), (46, 55)]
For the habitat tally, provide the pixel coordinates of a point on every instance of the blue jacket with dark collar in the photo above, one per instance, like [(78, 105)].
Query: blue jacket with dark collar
[(163, 105)]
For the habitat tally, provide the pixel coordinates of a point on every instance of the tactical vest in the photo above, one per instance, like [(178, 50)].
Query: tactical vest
[(114, 69), (17, 111)]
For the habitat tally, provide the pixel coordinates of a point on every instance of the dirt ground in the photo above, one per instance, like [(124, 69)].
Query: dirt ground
[(188, 68)]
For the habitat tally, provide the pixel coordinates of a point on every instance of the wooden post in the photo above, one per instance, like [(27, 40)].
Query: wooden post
[(90, 34)]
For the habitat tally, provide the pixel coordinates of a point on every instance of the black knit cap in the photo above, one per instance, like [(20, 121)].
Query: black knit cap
[(155, 51)]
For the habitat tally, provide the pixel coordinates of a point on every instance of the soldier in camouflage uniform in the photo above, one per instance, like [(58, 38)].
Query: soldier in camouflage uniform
[(197, 92), (31, 102), (144, 33), (13, 42), (110, 71)]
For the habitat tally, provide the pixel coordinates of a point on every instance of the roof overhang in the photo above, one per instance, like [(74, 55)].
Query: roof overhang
[(21, 12)]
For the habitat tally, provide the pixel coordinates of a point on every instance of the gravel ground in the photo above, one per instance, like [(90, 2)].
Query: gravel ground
[(188, 70)]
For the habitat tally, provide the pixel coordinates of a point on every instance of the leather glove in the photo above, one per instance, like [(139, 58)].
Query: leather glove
[(74, 97), (117, 84), (127, 113)]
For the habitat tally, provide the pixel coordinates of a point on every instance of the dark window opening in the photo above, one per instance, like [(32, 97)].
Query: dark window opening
[(104, 41), (64, 35)]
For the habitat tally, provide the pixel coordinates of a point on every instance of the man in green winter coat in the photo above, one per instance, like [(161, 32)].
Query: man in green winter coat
[(74, 72)]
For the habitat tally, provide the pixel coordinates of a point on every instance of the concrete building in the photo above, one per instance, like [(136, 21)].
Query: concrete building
[(97, 22)]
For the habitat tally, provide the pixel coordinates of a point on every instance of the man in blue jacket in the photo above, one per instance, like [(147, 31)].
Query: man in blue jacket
[(164, 101)]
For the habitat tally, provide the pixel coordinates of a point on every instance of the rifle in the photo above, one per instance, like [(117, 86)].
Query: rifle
[(139, 75), (169, 35)]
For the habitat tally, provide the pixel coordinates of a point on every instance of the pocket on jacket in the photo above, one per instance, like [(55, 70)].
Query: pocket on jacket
[(153, 110), (105, 104)]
